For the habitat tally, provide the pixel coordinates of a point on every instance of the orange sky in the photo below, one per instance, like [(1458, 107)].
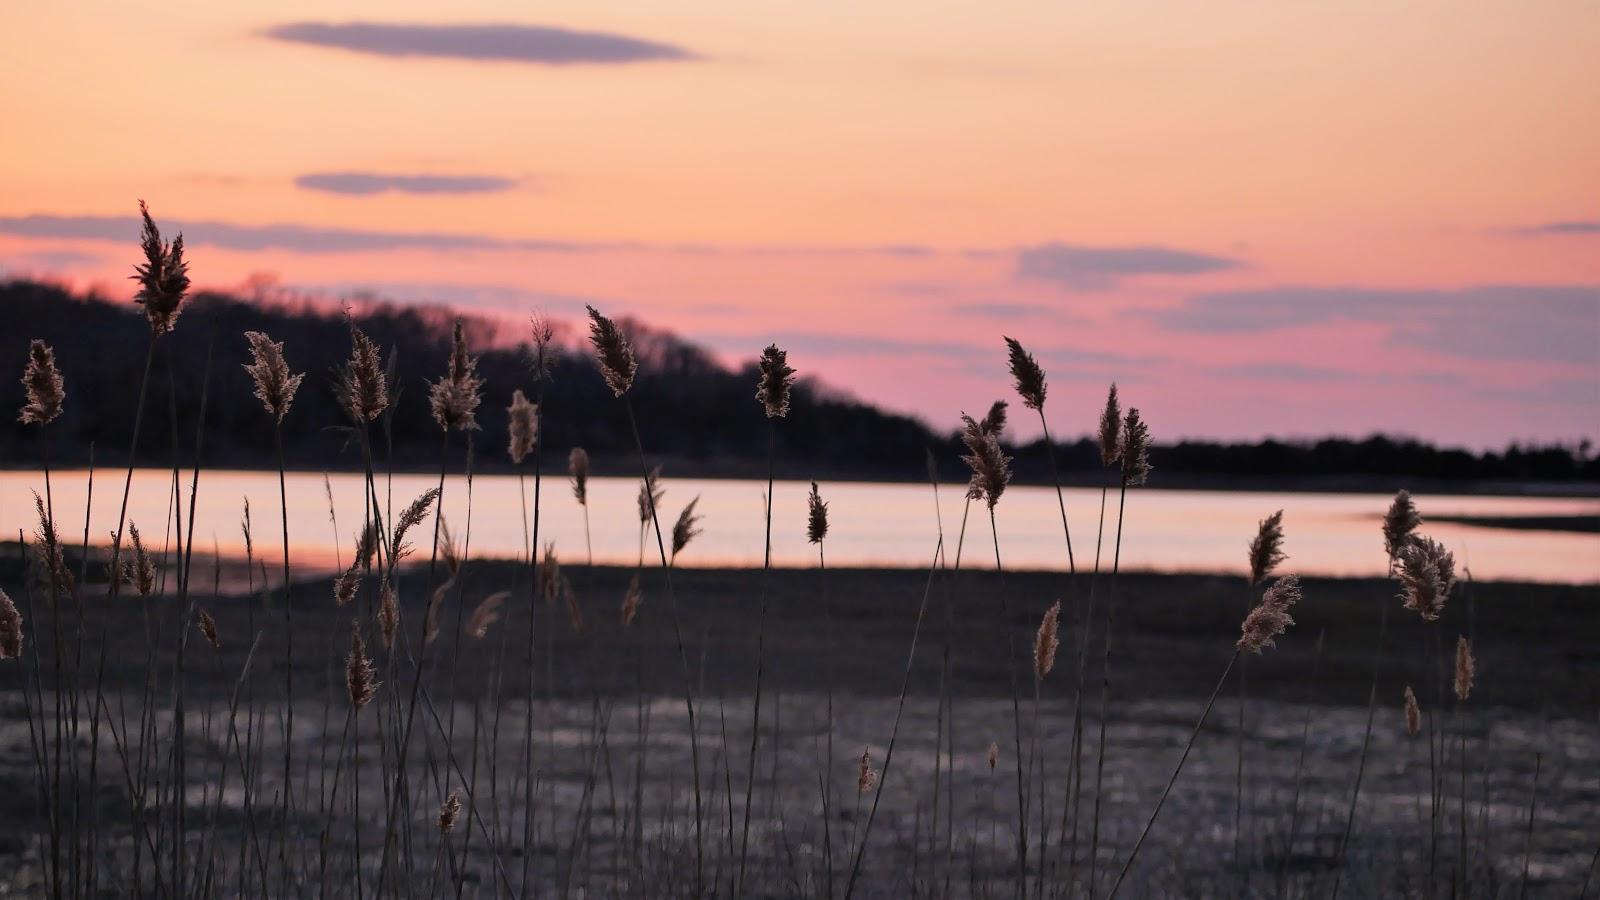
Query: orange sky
[(1261, 217)]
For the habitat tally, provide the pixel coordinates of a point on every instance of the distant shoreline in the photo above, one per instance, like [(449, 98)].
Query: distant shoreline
[(554, 467)]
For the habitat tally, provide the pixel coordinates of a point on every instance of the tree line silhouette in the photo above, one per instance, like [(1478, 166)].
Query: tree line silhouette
[(697, 410)]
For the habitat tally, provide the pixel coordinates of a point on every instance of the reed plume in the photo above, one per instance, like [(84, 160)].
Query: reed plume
[(1047, 641), (1270, 617), (51, 555), (275, 384), (1111, 429), (866, 775), (163, 277), (578, 469), (454, 398), (995, 421), (10, 628), (360, 675), (685, 530), (1413, 713), (363, 389), (486, 614), (776, 382), (994, 754), (991, 467), (430, 616), (208, 628), (816, 516), (550, 574), (1266, 549), (613, 352), (388, 614), (544, 334), (410, 518), (43, 385), (1028, 376), (524, 428), (348, 583), (449, 550), (1427, 573), (140, 571), (1135, 448), (1399, 523), (1466, 668), (448, 811), (650, 494), (631, 600)]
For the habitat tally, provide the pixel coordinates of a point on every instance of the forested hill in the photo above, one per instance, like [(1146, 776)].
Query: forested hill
[(697, 415)]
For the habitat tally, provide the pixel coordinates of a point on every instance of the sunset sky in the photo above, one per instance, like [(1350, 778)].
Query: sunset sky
[(1260, 218)]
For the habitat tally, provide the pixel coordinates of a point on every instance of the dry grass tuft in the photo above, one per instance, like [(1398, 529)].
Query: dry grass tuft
[(163, 277), (10, 628), (1427, 573), (524, 427), (1466, 668), (42, 382), (685, 529), (275, 384), (1266, 549), (816, 516), (360, 676), (1270, 617), (613, 352), (578, 469), (1028, 376), (776, 382), (1111, 429), (1413, 713), (454, 398), (1047, 641)]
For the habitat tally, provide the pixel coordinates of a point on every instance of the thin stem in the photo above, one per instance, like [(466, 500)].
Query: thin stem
[(1105, 688), (761, 662)]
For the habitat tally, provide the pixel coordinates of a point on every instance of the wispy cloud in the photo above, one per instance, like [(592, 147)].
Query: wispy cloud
[(310, 239), (1525, 322), (1077, 267), (362, 184), (1568, 227), (533, 44)]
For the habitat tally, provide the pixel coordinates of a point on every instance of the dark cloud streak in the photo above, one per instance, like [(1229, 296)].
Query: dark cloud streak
[(533, 44), (364, 184)]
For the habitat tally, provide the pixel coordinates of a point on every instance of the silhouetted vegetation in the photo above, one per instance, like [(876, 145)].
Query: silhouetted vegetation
[(696, 409)]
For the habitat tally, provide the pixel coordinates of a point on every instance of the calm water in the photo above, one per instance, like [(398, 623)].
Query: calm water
[(872, 524)]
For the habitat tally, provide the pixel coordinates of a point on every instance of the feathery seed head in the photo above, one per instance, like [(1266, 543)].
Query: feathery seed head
[(454, 398), (10, 628), (140, 570), (448, 811), (388, 614), (631, 600), (817, 516), (430, 616), (777, 379), (1028, 376), (42, 381), (163, 277), (543, 335), (685, 530), (1111, 429), (995, 422), (550, 574), (1466, 668), (486, 614), (650, 494), (866, 775), (51, 557), (208, 628), (994, 755), (410, 518), (1047, 641), (1135, 448), (1266, 549), (359, 673), (991, 467), (346, 585), (1427, 573), (1270, 617), (1399, 523), (578, 468), (1413, 713), (275, 384), (524, 428), (363, 388), (613, 352)]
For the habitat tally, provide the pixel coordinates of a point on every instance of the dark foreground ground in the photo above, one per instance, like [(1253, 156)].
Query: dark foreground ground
[(613, 793)]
